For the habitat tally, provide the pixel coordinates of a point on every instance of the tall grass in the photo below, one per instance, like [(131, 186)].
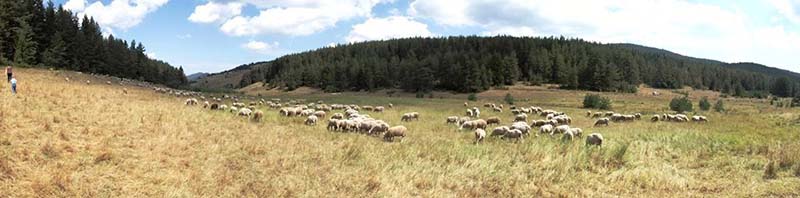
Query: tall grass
[(61, 138)]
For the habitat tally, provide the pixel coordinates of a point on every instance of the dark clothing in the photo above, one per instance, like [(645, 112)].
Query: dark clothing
[(9, 76)]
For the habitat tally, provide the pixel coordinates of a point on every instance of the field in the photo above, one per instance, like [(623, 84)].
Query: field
[(66, 138)]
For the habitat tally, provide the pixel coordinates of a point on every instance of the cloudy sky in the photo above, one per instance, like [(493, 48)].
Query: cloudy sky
[(212, 36)]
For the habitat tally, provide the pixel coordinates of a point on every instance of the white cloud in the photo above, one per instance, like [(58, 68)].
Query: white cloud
[(686, 27), (261, 47), (119, 14), (387, 28), (185, 36), (788, 8), (214, 12), (151, 55), (511, 31), (290, 17)]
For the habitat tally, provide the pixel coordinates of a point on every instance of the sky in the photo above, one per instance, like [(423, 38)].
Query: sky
[(216, 35)]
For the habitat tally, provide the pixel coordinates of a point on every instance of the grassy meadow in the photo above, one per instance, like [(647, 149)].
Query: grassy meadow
[(62, 138)]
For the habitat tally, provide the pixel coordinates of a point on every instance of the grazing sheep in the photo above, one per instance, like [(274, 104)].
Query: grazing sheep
[(588, 113), (568, 136), (476, 112), (462, 120), (234, 110), (319, 114), (497, 109), (395, 131), (601, 121), (699, 119), (378, 127), (609, 113), (655, 118), (547, 128), (597, 114), (560, 129), (480, 134), (515, 134), (469, 112), (191, 102), (223, 107), (206, 104), (637, 116), (391, 105), (333, 124), (311, 120), (522, 127), (538, 123), (576, 131), (245, 112), (515, 111), (214, 106), (594, 139), (474, 124), (407, 117), (451, 119), (493, 120), (521, 117), (500, 131), (257, 116), (378, 109), (466, 104), (337, 116)]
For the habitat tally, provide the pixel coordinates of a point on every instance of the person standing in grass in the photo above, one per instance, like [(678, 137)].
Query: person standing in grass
[(8, 72), (13, 85)]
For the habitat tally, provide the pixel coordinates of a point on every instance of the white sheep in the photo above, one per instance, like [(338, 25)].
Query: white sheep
[(245, 112), (480, 134), (601, 121), (547, 128), (594, 139), (514, 134), (311, 120), (522, 127), (451, 119), (522, 117), (500, 131), (560, 129), (395, 131)]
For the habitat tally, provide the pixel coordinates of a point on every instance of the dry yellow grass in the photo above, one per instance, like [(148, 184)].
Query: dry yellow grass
[(61, 138)]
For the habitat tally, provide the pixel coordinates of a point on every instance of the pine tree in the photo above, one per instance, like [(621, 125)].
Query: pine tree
[(24, 45), (56, 54)]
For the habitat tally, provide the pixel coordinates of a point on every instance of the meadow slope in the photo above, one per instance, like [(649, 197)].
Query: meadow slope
[(67, 138)]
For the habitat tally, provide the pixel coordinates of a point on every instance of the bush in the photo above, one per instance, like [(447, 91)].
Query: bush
[(420, 95), (596, 101), (719, 107), (509, 99), (704, 104), (680, 104), (472, 97)]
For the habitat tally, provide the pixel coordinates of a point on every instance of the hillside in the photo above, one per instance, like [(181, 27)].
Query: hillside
[(474, 64), (71, 139)]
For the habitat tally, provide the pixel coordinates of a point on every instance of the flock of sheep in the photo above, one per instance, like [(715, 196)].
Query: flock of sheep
[(554, 123), (349, 120), (354, 118)]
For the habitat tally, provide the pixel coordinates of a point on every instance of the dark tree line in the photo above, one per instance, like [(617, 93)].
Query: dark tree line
[(472, 64), (34, 34)]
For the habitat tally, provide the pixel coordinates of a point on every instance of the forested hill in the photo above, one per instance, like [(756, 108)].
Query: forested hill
[(37, 35), (472, 64)]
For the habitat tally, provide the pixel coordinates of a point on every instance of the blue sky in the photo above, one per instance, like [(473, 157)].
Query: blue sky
[(212, 36)]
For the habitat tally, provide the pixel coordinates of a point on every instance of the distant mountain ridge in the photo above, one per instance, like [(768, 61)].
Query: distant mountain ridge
[(196, 76), (473, 64)]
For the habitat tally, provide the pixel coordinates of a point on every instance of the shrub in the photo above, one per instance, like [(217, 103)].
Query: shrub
[(770, 171), (704, 104), (596, 101), (509, 99), (472, 97), (680, 104), (420, 95), (719, 106)]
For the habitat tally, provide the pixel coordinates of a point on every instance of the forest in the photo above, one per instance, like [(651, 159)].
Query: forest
[(473, 64), (36, 34)]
